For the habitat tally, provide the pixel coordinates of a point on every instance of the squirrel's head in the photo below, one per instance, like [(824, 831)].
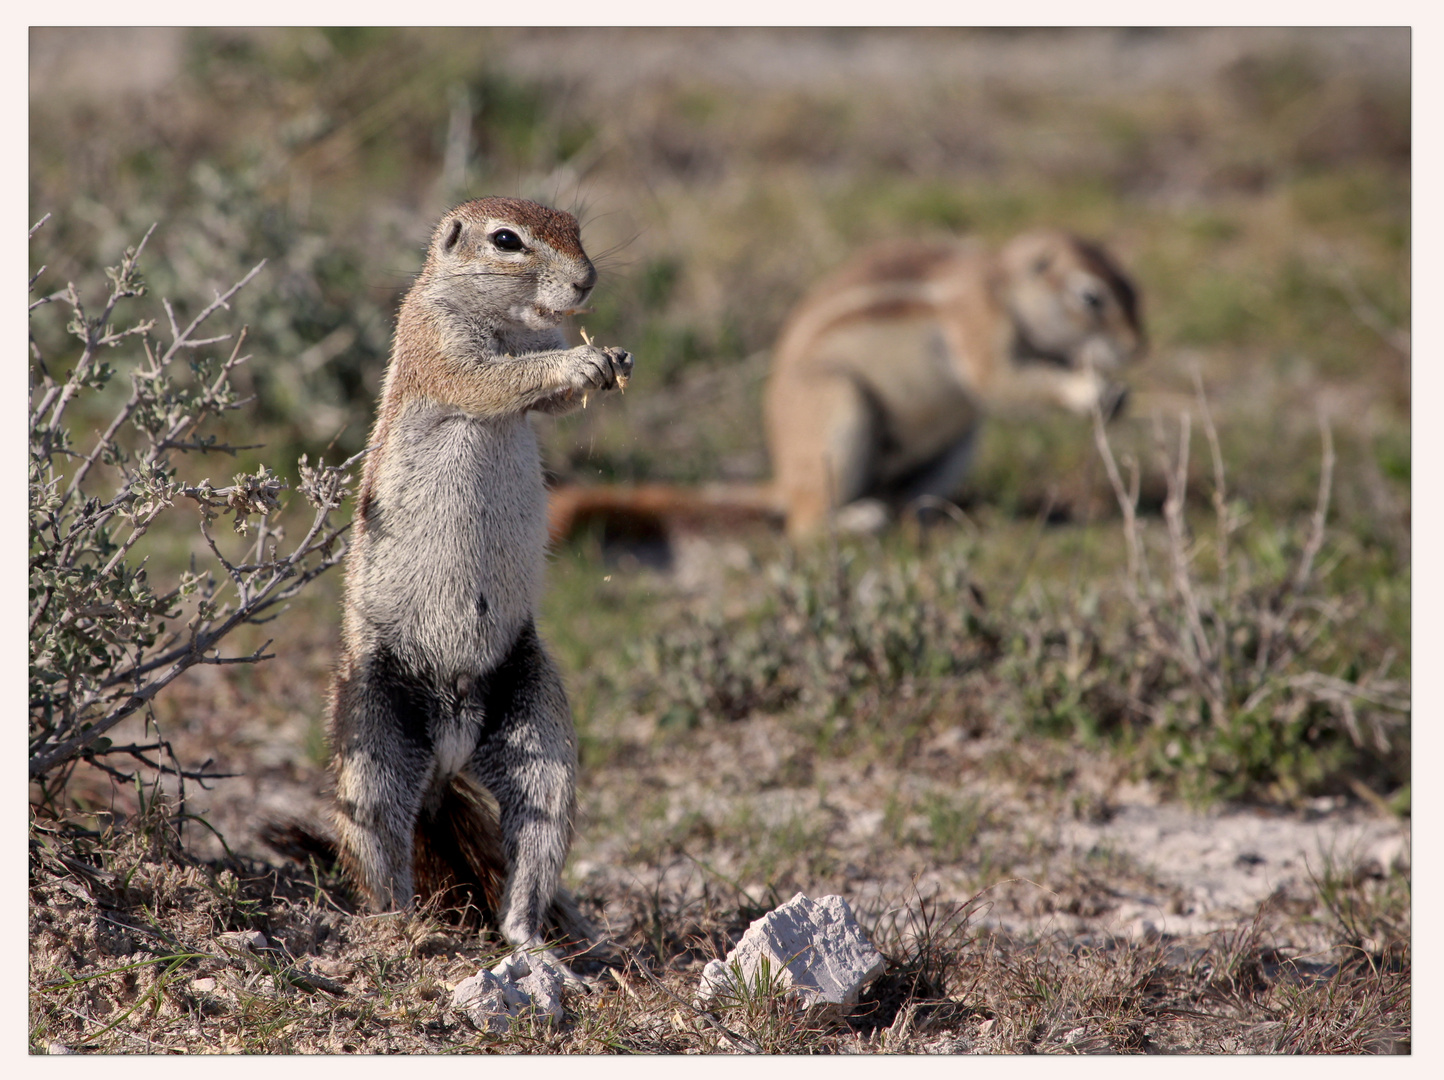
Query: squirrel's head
[(1070, 302), (521, 261)]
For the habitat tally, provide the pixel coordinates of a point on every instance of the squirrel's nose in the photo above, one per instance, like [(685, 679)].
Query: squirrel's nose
[(587, 280)]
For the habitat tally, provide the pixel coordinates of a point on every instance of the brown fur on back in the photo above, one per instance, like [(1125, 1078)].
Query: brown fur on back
[(893, 262)]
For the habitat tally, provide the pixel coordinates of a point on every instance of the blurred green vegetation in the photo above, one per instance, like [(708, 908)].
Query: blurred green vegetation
[(1263, 205), (878, 647)]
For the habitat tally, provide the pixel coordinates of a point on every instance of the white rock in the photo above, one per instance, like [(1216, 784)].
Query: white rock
[(508, 973), (543, 988), (814, 949), (716, 979), (514, 967), (519, 985), (483, 999)]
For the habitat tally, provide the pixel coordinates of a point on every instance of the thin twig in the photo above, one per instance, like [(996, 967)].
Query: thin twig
[(1220, 489), (1126, 503), (1321, 507), (1275, 624), (1366, 311), (93, 337), (1199, 652)]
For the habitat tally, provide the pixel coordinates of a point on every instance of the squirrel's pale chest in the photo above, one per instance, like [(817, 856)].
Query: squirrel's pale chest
[(450, 562)]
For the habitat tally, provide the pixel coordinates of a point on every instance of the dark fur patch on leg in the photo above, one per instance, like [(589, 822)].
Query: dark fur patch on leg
[(413, 695), (504, 690)]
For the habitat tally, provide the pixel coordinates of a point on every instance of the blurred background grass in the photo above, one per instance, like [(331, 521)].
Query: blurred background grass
[(1256, 182)]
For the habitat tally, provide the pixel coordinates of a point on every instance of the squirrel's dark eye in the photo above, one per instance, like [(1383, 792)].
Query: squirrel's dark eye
[(1092, 299), (506, 240)]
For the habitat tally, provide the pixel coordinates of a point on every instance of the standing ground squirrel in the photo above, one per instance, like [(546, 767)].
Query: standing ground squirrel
[(443, 686)]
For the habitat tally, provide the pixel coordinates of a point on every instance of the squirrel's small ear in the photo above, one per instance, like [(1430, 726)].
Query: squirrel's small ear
[(452, 236)]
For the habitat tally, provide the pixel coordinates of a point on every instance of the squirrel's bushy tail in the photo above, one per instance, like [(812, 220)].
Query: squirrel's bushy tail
[(458, 862), (648, 509)]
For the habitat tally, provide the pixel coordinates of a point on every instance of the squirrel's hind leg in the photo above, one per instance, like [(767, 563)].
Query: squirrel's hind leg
[(382, 764), (527, 759)]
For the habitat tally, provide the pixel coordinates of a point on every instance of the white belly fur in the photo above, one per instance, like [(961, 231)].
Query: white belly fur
[(460, 515)]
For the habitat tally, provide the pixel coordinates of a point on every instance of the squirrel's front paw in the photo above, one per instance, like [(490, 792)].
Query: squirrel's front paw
[(601, 368), (621, 365)]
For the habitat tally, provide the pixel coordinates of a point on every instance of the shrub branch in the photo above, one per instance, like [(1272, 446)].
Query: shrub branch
[(100, 647)]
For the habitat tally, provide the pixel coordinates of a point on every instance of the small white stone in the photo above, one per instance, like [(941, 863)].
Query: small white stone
[(522, 984), (203, 986), (513, 967), (814, 949), (482, 999), (516, 998), (543, 989), (716, 981)]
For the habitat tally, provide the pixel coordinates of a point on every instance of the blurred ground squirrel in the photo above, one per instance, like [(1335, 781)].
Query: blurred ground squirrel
[(881, 375), (883, 371), (443, 687)]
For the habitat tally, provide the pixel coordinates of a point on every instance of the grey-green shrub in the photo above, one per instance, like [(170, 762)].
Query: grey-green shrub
[(105, 486)]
